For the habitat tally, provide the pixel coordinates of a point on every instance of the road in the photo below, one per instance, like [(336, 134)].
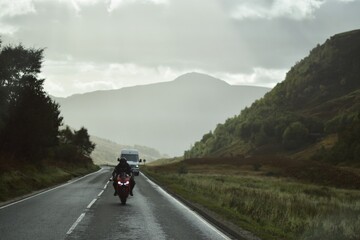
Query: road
[(86, 209)]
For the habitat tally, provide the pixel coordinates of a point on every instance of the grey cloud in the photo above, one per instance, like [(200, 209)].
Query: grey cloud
[(181, 34), (297, 10)]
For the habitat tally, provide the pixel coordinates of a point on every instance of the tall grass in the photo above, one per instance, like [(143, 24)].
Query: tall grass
[(274, 208)]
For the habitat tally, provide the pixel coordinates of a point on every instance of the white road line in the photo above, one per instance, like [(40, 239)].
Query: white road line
[(188, 209), (76, 223), (100, 193), (92, 202), (68, 183), (82, 215), (106, 185)]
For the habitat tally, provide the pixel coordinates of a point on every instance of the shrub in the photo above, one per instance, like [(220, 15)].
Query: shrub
[(182, 169), (295, 136)]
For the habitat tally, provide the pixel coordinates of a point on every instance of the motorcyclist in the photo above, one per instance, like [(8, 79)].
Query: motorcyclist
[(123, 166)]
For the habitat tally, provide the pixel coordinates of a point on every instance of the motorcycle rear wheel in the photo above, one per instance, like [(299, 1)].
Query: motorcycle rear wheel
[(123, 200)]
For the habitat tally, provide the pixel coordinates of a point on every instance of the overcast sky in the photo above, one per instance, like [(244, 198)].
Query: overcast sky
[(107, 44)]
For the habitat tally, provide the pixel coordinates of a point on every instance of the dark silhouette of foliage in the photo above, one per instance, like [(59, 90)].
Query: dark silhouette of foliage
[(82, 141), (29, 118), (74, 144), (32, 125), (295, 135), (347, 148), (19, 67)]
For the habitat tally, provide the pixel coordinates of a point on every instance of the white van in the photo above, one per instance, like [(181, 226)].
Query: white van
[(132, 158)]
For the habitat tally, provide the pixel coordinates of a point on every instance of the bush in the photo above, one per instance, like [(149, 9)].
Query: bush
[(182, 169), (295, 136), (66, 153)]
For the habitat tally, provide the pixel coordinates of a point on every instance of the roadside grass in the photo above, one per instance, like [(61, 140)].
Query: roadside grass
[(272, 207), (24, 179)]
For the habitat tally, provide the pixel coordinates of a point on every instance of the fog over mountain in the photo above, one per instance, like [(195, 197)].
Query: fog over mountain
[(167, 116)]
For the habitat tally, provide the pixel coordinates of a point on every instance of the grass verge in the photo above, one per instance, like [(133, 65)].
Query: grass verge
[(15, 182), (272, 207)]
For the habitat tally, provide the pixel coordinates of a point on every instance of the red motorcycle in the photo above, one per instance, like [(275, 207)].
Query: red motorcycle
[(123, 186)]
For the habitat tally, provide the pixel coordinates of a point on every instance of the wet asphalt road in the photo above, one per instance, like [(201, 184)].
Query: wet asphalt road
[(87, 209)]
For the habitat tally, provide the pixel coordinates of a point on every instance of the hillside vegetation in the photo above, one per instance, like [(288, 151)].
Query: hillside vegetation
[(288, 166), (319, 97)]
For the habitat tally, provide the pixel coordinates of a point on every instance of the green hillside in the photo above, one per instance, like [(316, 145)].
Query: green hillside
[(319, 99)]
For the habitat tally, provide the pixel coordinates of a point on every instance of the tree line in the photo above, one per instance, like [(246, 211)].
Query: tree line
[(30, 121)]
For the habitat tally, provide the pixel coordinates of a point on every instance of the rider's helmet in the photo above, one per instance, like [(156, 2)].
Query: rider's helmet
[(122, 160)]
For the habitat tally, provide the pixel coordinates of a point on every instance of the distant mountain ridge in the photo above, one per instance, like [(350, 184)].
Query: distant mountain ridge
[(166, 116), (315, 111)]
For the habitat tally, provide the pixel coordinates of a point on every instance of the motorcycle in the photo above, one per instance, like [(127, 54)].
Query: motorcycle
[(123, 186)]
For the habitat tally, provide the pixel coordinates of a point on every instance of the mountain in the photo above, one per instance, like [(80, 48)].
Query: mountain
[(107, 152), (313, 113), (166, 116)]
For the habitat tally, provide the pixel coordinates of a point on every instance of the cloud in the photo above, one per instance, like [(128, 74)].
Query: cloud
[(13, 8), (258, 77), (7, 29), (146, 41), (297, 10), (80, 77), (114, 4), (53, 87)]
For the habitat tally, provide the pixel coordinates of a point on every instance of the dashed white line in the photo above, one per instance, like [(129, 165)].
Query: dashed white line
[(63, 185), (82, 215), (106, 185), (76, 223), (100, 193), (92, 202)]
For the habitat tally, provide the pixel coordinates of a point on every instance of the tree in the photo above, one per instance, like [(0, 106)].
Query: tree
[(74, 144), (29, 119), (295, 135), (66, 136), (82, 141), (32, 126), (18, 67)]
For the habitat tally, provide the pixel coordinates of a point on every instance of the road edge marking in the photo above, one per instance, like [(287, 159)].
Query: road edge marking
[(210, 225)]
